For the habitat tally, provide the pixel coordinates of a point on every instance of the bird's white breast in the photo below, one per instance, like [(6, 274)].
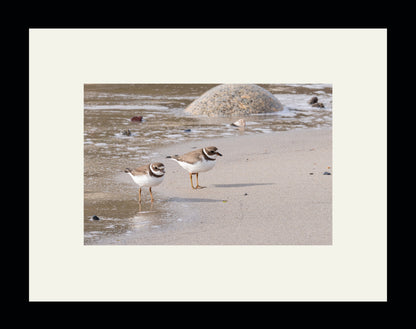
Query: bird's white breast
[(146, 180), (197, 167)]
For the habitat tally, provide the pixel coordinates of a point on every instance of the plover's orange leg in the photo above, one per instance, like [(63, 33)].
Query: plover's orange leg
[(140, 195), (192, 183), (197, 184), (151, 194)]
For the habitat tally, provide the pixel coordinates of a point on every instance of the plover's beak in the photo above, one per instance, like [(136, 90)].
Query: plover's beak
[(218, 153)]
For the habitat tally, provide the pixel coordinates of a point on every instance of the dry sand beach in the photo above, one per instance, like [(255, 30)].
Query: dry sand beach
[(266, 189)]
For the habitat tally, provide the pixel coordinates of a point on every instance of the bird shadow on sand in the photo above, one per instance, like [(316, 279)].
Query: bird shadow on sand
[(243, 184)]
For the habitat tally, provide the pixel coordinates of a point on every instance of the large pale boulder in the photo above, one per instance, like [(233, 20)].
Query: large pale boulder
[(234, 100)]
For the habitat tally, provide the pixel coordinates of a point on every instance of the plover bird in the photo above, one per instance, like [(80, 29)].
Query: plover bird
[(147, 176), (197, 161)]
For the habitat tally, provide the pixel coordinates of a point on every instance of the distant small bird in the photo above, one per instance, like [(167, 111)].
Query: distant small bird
[(147, 176), (197, 161), (239, 123)]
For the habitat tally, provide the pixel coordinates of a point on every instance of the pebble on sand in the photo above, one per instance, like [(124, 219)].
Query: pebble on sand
[(137, 118), (239, 123), (314, 102), (126, 132)]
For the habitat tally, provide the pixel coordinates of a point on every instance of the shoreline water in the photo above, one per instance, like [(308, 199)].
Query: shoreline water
[(267, 189)]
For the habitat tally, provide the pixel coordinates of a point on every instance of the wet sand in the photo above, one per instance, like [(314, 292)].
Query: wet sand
[(266, 189)]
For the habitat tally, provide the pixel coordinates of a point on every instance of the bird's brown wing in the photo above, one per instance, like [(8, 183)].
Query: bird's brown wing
[(143, 170), (190, 157)]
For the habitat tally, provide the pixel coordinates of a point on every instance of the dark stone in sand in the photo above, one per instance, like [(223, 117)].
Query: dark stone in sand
[(234, 100), (138, 118), (318, 105), (313, 100), (95, 217), (327, 173)]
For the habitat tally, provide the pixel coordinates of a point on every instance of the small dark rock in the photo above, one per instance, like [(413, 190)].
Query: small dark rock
[(126, 132), (318, 105), (187, 130), (313, 100), (95, 217), (327, 173), (311, 173), (138, 118), (245, 194)]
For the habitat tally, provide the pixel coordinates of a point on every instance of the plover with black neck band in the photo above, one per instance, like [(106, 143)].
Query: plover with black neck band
[(197, 161), (147, 176)]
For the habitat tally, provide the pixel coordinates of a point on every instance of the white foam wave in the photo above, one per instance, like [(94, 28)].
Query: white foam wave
[(125, 107), (311, 86)]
